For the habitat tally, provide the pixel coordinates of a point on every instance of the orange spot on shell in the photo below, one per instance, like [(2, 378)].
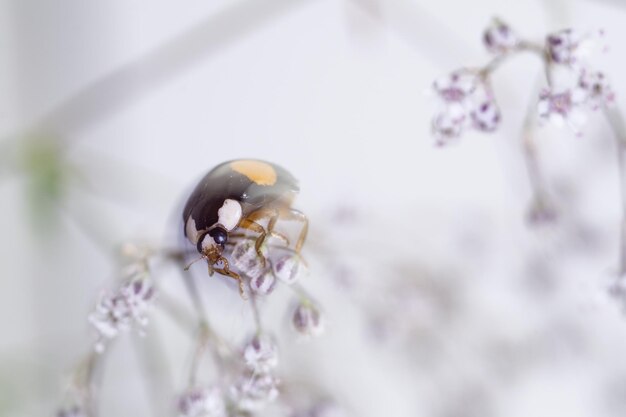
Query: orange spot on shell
[(259, 172)]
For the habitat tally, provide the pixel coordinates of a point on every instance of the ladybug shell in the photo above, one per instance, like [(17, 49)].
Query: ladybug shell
[(253, 183)]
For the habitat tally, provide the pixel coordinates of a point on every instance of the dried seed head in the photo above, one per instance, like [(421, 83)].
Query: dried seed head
[(307, 320), (289, 268), (261, 354), (202, 402), (499, 38)]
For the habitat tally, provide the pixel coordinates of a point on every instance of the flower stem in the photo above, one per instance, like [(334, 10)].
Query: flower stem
[(256, 313), (531, 160), (616, 122), (84, 380)]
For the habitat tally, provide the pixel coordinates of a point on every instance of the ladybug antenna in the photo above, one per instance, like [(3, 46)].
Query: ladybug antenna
[(194, 261)]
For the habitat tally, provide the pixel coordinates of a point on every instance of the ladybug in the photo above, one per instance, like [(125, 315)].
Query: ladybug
[(237, 195)]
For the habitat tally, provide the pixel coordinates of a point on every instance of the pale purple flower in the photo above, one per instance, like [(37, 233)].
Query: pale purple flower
[(246, 259), (264, 283), (466, 101), (307, 320), (123, 309), (254, 392), (457, 86), (289, 268), (449, 124), (563, 108), (202, 402), (596, 88), (568, 47), (499, 38), (486, 116), (261, 354)]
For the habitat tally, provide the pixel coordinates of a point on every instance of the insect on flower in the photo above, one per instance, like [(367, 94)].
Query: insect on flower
[(231, 200)]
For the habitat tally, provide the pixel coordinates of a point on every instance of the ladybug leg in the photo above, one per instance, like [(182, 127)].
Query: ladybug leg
[(273, 233), (249, 224), (272, 214), (225, 270), (293, 214)]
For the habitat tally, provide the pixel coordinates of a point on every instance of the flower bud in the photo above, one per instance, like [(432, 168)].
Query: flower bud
[(307, 320), (499, 38), (245, 258), (202, 402), (290, 268), (264, 283), (261, 354)]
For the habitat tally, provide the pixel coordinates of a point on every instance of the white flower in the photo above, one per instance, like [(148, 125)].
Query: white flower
[(261, 354), (456, 86), (466, 101), (246, 259), (486, 116), (254, 392), (568, 47), (307, 320), (499, 38), (563, 108), (202, 402), (264, 283), (124, 308), (290, 268), (449, 124), (596, 88)]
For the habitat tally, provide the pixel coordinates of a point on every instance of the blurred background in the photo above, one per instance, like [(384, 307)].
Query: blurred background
[(439, 299)]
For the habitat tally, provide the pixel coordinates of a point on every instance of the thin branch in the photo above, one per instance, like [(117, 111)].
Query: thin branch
[(529, 147), (206, 336), (255, 312), (203, 339), (157, 373), (84, 381), (618, 126)]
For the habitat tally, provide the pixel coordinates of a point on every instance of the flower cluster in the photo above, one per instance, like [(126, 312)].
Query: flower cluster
[(253, 391), (285, 266), (123, 308), (589, 90), (261, 354), (468, 102), (569, 47), (202, 402)]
